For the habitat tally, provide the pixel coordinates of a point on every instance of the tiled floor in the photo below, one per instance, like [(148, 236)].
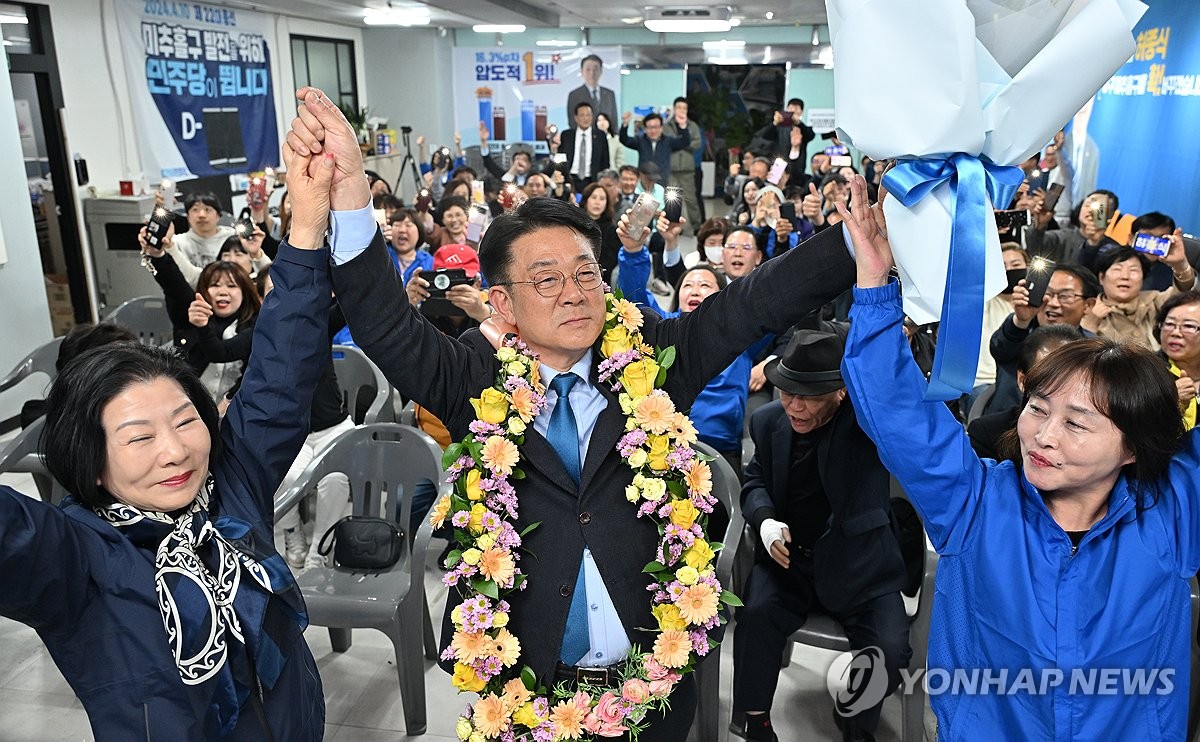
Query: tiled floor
[(362, 696)]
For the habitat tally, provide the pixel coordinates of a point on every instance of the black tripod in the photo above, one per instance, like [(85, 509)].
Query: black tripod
[(410, 162)]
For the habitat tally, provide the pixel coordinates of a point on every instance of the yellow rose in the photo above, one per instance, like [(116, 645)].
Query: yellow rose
[(506, 354), (474, 491), (471, 556), (499, 620), (660, 446), (466, 679), (687, 575), (475, 525), (485, 541), (683, 513), (515, 368), (668, 617), (616, 340), (463, 729), (632, 494), (491, 407), (456, 615), (526, 716), (637, 459), (698, 555), (477, 737), (516, 425), (638, 377), (627, 405)]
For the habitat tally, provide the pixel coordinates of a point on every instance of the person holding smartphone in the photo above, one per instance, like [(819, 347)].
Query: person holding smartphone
[(779, 135)]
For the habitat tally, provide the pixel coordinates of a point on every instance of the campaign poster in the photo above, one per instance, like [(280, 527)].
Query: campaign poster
[(519, 92), (200, 88)]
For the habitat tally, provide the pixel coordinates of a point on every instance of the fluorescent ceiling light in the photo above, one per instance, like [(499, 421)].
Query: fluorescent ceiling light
[(735, 22), (698, 19), (556, 42), (497, 28), (396, 17), (728, 60), (710, 46), (13, 18)]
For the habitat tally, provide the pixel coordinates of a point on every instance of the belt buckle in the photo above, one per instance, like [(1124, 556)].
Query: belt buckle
[(595, 675)]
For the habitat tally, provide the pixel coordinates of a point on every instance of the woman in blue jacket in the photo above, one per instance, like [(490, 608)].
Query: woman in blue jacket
[(1064, 569), (156, 586)]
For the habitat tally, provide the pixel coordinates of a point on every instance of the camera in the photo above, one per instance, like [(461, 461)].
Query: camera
[(444, 279)]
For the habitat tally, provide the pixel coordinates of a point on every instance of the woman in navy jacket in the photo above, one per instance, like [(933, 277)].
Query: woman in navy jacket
[(156, 587)]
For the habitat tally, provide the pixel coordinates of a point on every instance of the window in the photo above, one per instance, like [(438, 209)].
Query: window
[(327, 64)]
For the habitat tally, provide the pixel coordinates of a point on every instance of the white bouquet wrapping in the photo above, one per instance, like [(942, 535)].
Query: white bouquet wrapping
[(959, 90)]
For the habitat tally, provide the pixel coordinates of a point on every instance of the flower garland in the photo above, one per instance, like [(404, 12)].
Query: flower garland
[(672, 486)]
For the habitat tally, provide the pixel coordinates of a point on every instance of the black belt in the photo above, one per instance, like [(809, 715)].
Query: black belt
[(602, 676)]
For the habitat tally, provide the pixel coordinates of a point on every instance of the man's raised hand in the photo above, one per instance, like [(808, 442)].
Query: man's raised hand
[(320, 127), (868, 232), (309, 179)]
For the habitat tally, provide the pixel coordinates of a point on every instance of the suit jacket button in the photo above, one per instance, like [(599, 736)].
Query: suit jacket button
[(585, 518), (565, 591)]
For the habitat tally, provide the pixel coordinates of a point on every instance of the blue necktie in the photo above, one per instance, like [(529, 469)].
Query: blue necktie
[(564, 438)]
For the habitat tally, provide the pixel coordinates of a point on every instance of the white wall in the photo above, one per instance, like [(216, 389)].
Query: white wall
[(408, 73), (25, 322)]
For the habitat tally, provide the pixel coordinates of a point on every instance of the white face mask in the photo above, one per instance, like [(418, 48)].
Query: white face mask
[(714, 255)]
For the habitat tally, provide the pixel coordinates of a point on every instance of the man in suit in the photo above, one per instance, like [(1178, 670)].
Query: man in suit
[(603, 100), (818, 496), (777, 138), (651, 144), (540, 265), (585, 146), (683, 161)]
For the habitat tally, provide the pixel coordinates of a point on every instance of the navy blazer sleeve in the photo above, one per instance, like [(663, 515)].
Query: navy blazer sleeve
[(268, 418)]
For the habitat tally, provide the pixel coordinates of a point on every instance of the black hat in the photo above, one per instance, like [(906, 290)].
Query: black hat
[(811, 365)]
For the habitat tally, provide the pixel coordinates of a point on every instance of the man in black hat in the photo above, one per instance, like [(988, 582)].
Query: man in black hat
[(818, 496)]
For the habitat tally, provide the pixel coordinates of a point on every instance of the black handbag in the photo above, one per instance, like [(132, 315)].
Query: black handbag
[(362, 543)]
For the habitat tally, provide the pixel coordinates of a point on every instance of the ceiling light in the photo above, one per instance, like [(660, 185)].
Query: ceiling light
[(816, 37), (556, 42), (770, 15), (728, 60), (689, 20), (711, 46), (13, 18), (396, 16), (735, 22), (498, 28)]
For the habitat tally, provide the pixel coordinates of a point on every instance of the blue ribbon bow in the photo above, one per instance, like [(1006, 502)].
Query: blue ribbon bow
[(972, 180)]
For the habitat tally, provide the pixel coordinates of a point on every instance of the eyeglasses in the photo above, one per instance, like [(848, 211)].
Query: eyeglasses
[(1187, 328), (732, 247), (1064, 297), (550, 283)]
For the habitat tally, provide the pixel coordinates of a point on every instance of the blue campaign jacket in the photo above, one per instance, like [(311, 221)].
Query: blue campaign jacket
[(89, 592), (719, 412), (1012, 593)]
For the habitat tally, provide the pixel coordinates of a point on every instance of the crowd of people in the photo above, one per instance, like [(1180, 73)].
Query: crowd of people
[(1059, 491)]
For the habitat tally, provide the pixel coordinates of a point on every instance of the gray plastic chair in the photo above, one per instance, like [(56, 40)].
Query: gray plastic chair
[(356, 375), (384, 462), (727, 488), (147, 317), (20, 456), (40, 361), (821, 630)]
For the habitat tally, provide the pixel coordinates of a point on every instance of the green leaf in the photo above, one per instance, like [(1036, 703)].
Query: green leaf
[(653, 568), (517, 473), (666, 357), (451, 454), (716, 545), (529, 678), (453, 558), (660, 378), (529, 528), (730, 599), (677, 488), (486, 587)]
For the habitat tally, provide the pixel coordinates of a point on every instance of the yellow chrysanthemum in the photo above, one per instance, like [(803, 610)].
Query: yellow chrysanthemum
[(441, 509)]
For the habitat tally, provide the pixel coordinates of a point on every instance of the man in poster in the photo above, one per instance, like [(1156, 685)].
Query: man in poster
[(603, 100)]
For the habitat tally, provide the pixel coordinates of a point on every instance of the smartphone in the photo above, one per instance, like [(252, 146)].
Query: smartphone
[(674, 204), (476, 222), (1151, 245), (777, 170), (380, 217), (787, 210), (841, 161), (1099, 214), (787, 118), (1037, 278), (642, 213), (424, 201), (157, 225), (477, 196), (256, 193), (1014, 276), (167, 189), (244, 228), (1052, 195), (837, 150), (1012, 219)]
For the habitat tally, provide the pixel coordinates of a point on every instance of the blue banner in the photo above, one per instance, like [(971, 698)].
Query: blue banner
[(1137, 137)]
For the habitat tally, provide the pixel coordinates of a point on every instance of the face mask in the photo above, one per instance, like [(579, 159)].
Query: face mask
[(714, 255)]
